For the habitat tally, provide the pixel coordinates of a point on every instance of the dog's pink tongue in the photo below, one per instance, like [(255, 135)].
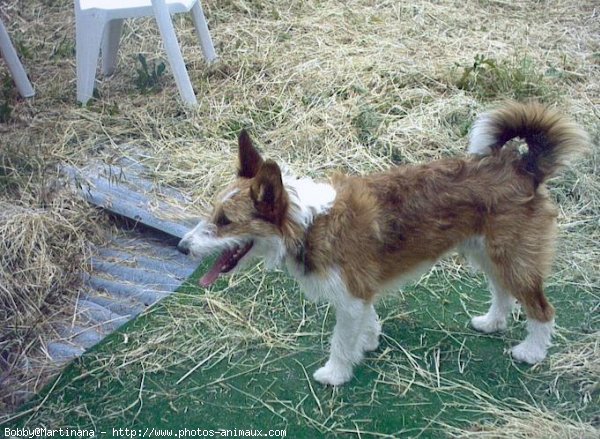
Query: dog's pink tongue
[(213, 274)]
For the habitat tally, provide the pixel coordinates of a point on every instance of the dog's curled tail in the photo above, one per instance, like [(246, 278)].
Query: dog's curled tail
[(552, 139)]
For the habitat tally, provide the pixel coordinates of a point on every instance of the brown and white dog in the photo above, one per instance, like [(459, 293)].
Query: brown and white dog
[(348, 240)]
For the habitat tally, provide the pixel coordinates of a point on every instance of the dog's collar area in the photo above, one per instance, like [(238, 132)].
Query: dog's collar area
[(300, 256), (302, 253)]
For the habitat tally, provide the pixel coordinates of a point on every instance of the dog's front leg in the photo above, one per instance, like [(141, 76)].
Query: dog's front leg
[(348, 341)]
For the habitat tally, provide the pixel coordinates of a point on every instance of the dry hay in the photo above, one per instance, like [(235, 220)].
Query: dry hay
[(41, 244), (579, 361), (354, 86), (522, 421), (43, 252)]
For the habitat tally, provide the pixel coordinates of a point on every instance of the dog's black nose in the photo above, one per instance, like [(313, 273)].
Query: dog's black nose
[(183, 248)]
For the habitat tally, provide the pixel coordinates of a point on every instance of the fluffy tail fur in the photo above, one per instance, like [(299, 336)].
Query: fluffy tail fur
[(552, 138)]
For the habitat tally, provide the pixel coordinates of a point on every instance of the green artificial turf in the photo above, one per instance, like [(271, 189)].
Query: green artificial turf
[(259, 343)]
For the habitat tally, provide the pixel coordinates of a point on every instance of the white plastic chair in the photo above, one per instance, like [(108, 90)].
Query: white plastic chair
[(14, 65), (99, 22)]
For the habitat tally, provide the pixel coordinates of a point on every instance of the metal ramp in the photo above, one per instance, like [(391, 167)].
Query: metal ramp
[(140, 264)]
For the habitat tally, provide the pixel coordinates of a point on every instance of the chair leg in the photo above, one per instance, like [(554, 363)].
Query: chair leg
[(167, 32), (110, 46), (14, 65), (206, 43), (88, 37)]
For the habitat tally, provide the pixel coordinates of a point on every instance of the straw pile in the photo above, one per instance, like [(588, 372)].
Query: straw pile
[(356, 86), (522, 421), (43, 252), (35, 260)]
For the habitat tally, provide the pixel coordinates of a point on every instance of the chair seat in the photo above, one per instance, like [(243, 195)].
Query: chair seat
[(133, 8), (98, 25)]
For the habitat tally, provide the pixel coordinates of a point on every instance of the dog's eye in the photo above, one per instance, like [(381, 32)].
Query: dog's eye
[(222, 220)]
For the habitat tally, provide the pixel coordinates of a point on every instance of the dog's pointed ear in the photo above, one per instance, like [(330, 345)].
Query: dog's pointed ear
[(250, 159), (268, 193)]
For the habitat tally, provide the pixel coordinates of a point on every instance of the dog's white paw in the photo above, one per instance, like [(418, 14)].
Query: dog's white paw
[(488, 324), (528, 353), (332, 375)]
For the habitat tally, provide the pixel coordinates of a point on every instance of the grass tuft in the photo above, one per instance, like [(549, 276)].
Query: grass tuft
[(149, 75), (7, 96), (518, 78)]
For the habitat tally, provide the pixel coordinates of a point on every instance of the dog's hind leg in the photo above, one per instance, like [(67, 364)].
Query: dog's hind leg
[(521, 259), (502, 304), (354, 332), (534, 348), (540, 319), (502, 301)]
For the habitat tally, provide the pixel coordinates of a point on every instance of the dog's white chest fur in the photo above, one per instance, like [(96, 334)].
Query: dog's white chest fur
[(327, 287)]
